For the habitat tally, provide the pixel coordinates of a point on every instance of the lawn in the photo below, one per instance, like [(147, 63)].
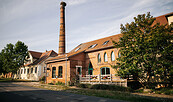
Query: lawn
[(127, 96)]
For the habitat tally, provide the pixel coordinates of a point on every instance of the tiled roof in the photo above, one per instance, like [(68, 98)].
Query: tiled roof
[(42, 56), (162, 19), (91, 46), (101, 43), (35, 54)]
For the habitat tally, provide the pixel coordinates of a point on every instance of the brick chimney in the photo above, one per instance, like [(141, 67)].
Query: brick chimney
[(62, 28)]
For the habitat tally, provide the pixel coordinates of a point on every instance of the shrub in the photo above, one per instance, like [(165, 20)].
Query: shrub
[(59, 83), (42, 78), (50, 84), (84, 85), (111, 87)]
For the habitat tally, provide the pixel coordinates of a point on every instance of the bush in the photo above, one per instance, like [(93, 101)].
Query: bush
[(84, 85), (59, 83), (42, 78), (50, 84), (111, 87)]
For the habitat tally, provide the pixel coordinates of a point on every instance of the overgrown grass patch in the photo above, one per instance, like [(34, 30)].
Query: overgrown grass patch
[(117, 95)]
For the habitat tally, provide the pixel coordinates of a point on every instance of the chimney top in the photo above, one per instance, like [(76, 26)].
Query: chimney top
[(63, 3)]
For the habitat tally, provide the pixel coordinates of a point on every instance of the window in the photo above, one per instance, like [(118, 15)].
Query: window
[(105, 42), (77, 49), (60, 72), (99, 58), (119, 54), (31, 70), (21, 71), (35, 69), (79, 70), (18, 71), (105, 57), (105, 71), (24, 70), (112, 56), (54, 72), (92, 46), (44, 70), (90, 69), (28, 71)]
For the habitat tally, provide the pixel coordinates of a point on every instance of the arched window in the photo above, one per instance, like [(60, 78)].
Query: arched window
[(112, 56), (60, 72), (105, 71), (99, 58), (90, 69), (54, 72), (105, 57)]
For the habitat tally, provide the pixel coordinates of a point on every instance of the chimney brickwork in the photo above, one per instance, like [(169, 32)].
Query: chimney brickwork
[(62, 29)]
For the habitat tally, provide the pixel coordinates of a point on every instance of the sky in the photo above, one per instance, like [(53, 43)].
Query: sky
[(37, 22)]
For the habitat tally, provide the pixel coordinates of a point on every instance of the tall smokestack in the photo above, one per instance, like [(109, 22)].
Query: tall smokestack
[(62, 28)]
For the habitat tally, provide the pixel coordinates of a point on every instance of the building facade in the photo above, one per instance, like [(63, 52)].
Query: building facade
[(35, 67), (93, 58)]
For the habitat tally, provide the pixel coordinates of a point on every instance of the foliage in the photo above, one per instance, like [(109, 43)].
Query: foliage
[(59, 83), (111, 87), (105, 87), (167, 91), (84, 85), (42, 78), (12, 57), (146, 50)]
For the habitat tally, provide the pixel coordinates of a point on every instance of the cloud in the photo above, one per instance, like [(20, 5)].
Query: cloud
[(76, 2)]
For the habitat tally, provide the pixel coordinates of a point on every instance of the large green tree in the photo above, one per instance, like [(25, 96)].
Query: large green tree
[(12, 57), (146, 50)]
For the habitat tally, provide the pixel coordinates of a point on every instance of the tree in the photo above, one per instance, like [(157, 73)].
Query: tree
[(146, 50), (12, 57)]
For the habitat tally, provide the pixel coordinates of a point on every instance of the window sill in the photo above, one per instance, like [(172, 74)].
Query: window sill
[(59, 78)]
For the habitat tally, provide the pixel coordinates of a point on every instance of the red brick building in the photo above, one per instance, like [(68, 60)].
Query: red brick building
[(91, 58)]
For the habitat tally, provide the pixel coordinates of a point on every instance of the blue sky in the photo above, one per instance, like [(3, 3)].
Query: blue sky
[(36, 22)]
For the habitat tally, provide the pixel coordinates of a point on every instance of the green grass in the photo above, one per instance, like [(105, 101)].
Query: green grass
[(117, 95)]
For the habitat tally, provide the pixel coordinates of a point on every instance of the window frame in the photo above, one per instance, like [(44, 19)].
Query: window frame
[(105, 57), (32, 70), (53, 72), (60, 73), (80, 70), (35, 69), (105, 70), (98, 58), (112, 56)]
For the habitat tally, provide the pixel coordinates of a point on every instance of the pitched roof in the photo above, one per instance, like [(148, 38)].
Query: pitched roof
[(35, 54), (90, 46), (163, 19), (41, 56), (101, 43)]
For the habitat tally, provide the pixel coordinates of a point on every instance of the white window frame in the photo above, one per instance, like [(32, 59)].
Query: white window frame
[(77, 69)]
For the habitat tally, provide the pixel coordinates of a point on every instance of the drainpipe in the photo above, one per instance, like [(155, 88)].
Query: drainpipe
[(66, 71)]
